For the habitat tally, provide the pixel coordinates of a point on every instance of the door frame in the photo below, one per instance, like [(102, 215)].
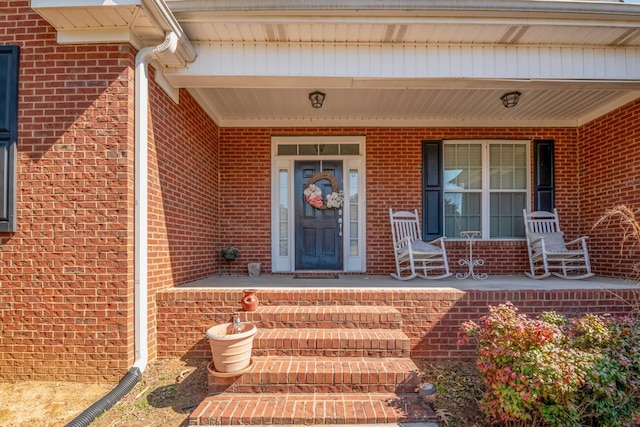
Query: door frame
[(283, 217)]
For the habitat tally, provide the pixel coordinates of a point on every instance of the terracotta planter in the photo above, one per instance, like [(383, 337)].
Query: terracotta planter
[(249, 301), (231, 352)]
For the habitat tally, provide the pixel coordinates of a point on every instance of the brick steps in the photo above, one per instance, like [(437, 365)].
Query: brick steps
[(320, 365), (304, 409), (275, 374), (329, 316), (331, 343)]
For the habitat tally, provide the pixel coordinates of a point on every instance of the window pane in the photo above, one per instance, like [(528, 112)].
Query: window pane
[(349, 149), (353, 248), (508, 166), (462, 212), (283, 184), (506, 214), (287, 150), (328, 149), (463, 166), (353, 212), (307, 150)]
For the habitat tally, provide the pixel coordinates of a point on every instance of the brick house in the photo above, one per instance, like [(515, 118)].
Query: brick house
[(141, 137)]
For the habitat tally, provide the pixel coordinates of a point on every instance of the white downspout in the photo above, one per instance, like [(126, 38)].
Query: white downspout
[(141, 132)]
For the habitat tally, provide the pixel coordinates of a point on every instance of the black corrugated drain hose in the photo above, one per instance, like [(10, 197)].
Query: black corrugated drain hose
[(92, 412)]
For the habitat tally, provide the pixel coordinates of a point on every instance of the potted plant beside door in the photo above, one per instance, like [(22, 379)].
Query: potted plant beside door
[(229, 253)]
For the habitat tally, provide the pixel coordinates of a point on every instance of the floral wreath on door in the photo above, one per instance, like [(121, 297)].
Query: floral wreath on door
[(313, 193)]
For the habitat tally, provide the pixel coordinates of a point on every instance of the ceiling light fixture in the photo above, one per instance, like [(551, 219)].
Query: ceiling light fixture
[(510, 99), (316, 98)]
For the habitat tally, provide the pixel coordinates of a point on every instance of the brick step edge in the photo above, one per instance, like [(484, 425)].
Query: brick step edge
[(328, 316), (276, 374), (311, 408), (332, 343)]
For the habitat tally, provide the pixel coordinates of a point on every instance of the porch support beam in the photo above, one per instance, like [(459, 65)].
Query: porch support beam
[(254, 64)]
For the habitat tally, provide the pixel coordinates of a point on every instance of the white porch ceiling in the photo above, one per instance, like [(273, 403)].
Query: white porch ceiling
[(593, 58)]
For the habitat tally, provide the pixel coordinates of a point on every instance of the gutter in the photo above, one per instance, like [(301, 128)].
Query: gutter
[(141, 130), (595, 9)]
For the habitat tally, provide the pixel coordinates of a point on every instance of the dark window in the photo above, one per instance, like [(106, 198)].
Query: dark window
[(9, 57)]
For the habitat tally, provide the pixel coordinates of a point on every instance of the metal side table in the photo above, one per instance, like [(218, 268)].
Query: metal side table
[(470, 262)]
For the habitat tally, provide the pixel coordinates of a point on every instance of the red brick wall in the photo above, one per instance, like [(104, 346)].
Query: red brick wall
[(609, 155), (66, 296), (66, 299), (183, 195), (394, 174), (431, 317)]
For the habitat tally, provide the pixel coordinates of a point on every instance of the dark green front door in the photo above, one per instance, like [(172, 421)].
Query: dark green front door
[(318, 232)]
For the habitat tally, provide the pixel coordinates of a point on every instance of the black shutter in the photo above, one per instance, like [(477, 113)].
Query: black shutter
[(9, 57), (432, 187), (544, 181)]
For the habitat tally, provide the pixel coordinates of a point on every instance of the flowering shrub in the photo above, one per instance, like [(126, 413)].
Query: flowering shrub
[(551, 371)]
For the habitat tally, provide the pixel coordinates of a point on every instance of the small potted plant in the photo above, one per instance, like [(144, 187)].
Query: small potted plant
[(229, 253)]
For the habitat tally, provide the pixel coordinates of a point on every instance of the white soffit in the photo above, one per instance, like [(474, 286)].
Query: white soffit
[(138, 22), (392, 63), (461, 107), (437, 63), (248, 84)]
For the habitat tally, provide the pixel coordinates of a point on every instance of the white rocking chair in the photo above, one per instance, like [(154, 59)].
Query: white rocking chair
[(549, 253), (415, 257)]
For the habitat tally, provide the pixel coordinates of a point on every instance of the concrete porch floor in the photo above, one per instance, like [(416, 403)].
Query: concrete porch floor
[(352, 281)]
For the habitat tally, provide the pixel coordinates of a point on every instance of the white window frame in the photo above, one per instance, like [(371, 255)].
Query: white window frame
[(486, 191)]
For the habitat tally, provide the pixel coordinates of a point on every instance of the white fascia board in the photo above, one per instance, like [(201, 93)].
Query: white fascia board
[(409, 61), (82, 3), (413, 7), (629, 20), (393, 123), (106, 35)]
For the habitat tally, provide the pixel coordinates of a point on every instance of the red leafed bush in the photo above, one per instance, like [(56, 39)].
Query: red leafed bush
[(550, 371)]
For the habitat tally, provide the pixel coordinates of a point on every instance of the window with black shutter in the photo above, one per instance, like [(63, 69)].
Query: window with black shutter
[(483, 185)]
